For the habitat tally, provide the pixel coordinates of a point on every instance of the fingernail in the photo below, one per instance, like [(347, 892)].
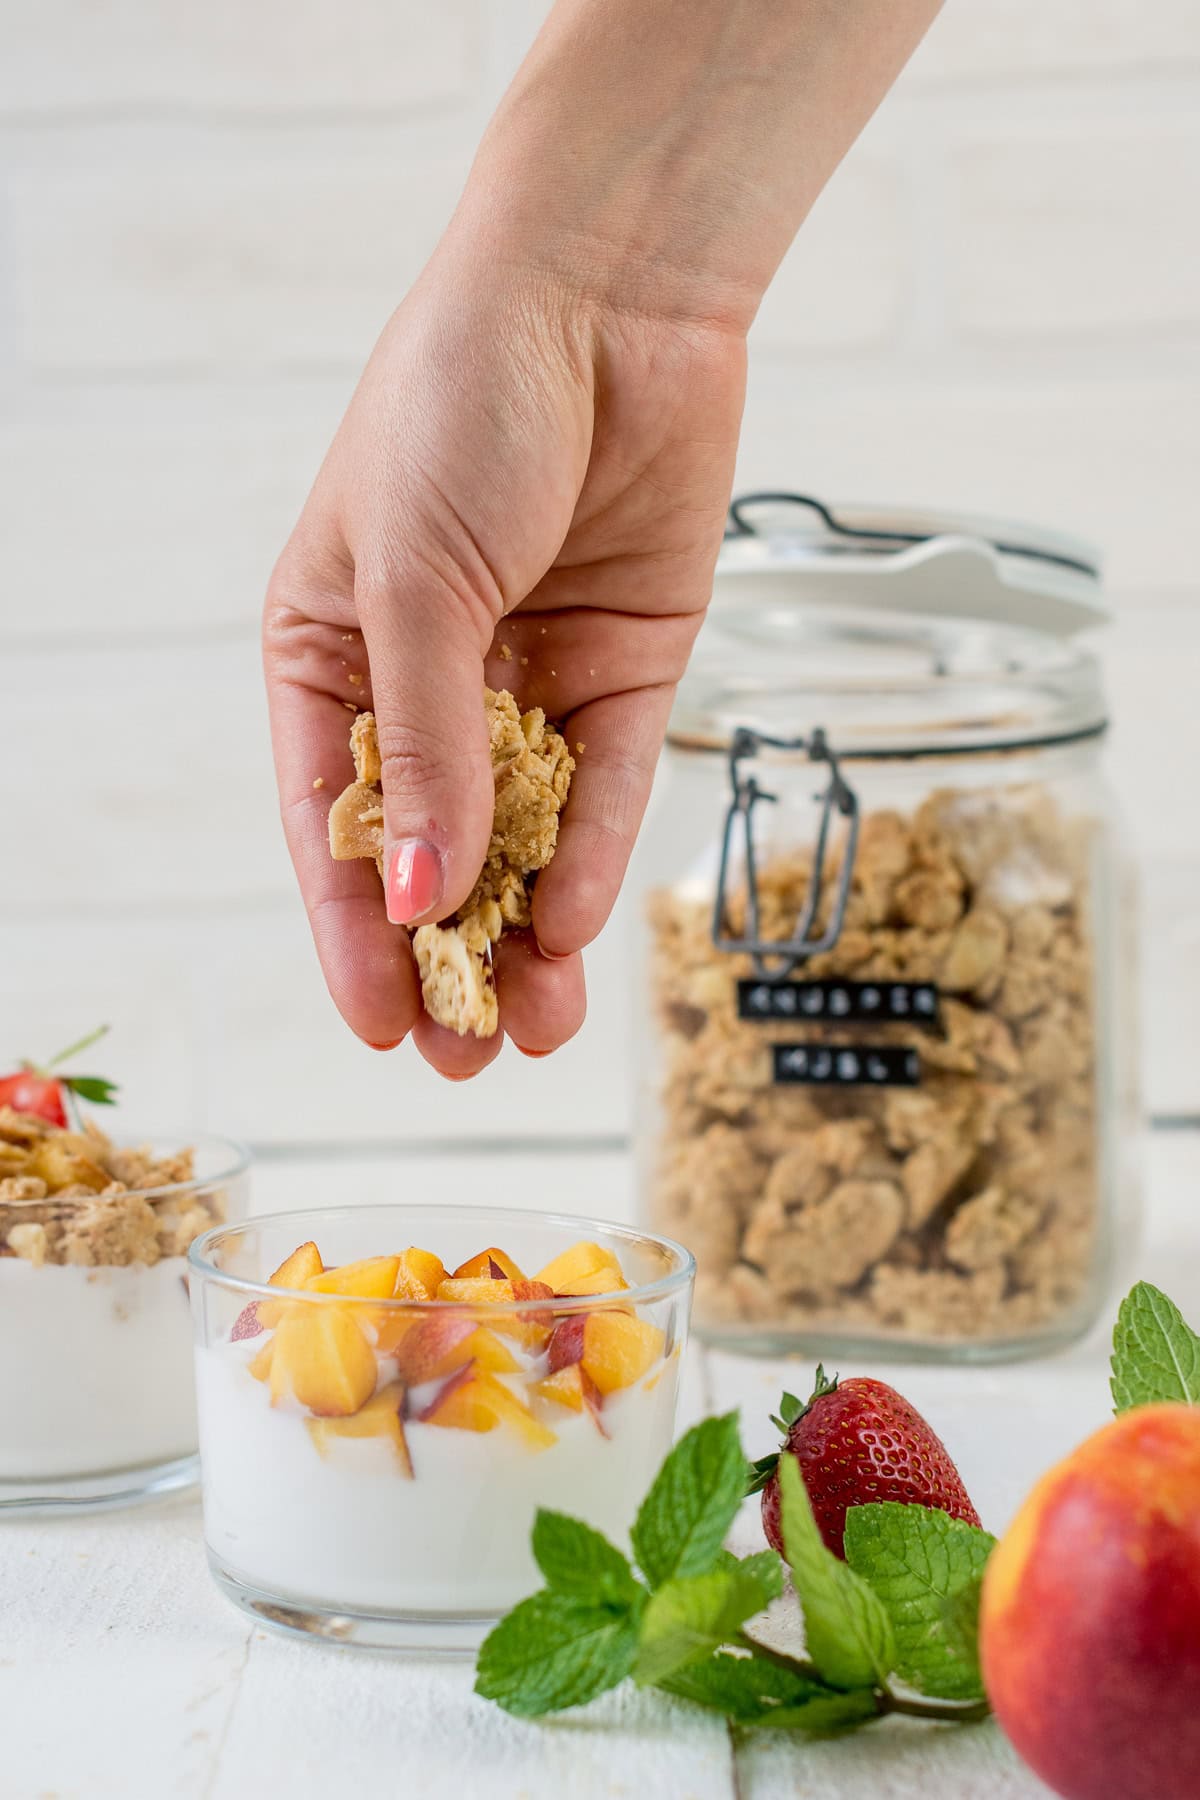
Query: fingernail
[(391, 1046), (448, 1077), (525, 1052), (414, 880), (555, 955)]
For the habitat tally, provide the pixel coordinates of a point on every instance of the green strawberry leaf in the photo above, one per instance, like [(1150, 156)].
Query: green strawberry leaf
[(686, 1620), (926, 1568), (848, 1632), (692, 1502), (747, 1689), (574, 1559), (1156, 1355), (91, 1087), (556, 1650)]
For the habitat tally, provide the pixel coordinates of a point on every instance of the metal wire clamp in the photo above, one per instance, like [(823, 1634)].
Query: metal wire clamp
[(775, 958)]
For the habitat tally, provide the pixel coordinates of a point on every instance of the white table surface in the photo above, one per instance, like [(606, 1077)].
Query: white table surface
[(124, 1674)]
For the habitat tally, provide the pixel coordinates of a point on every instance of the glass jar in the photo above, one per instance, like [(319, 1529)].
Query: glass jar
[(891, 1095)]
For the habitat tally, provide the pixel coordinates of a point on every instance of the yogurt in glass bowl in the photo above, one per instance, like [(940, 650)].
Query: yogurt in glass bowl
[(97, 1408), (387, 1395)]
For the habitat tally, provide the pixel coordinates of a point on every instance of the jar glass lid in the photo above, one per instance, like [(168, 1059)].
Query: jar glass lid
[(948, 642)]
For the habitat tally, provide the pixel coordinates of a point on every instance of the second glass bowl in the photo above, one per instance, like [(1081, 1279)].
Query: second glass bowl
[(373, 1461)]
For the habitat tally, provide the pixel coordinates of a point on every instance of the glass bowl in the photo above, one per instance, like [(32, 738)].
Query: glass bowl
[(103, 1410), (372, 1462)]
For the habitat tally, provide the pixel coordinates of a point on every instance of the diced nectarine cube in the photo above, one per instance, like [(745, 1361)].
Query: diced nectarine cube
[(600, 1281), (570, 1386), (419, 1276), (433, 1345), (293, 1272), (322, 1356), (491, 1263), (619, 1348), (260, 1364), (474, 1400), (247, 1324), (476, 1290), (566, 1342), (382, 1416), (490, 1352), (579, 1263), (374, 1278)]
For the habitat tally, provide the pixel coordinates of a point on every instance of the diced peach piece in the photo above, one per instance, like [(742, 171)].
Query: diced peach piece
[(374, 1278), (419, 1276), (490, 1352), (433, 1345), (570, 1386), (601, 1281), (566, 1342), (322, 1356), (382, 1416), (293, 1272), (474, 1400), (476, 1290), (580, 1263), (492, 1263), (619, 1348), (260, 1364)]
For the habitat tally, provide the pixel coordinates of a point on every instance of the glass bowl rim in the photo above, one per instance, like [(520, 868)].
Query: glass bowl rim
[(241, 1157), (679, 1280)]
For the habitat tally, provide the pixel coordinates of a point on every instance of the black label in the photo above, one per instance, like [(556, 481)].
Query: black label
[(845, 1065), (914, 1001)]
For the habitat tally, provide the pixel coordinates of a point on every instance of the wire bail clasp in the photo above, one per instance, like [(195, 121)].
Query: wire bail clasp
[(838, 797)]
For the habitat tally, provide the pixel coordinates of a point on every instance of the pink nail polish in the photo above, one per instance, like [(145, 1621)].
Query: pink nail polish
[(389, 1046), (525, 1052), (414, 880)]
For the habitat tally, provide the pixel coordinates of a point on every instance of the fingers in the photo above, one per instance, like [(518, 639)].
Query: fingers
[(542, 1003), (621, 738), (426, 656), (367, 963)]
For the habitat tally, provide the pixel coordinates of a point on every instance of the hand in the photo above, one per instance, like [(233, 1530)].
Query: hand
[(522, 466)]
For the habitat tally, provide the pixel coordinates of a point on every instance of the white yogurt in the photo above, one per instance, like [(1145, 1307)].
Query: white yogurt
[(97, 1369), (349, 1531)]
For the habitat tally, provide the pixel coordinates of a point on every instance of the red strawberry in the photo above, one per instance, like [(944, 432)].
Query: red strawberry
[(858, 1441), (40, 1092)]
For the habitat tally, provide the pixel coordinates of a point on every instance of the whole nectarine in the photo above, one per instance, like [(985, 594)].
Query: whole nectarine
[(1090, 1618)]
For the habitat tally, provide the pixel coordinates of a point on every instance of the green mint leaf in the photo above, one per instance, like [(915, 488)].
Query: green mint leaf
[(746, 1689), (825, 1715), (926, 1568), (1156, 1356), (767, 1569), (555, 1650), (688, 1619), (846, 1626), (692, 1502), (577, 1560), (93, 1088)]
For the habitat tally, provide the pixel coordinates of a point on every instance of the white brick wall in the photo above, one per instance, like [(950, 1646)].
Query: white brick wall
[(205, 216)]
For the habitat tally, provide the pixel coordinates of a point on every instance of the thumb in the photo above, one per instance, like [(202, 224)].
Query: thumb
[(425, 648)]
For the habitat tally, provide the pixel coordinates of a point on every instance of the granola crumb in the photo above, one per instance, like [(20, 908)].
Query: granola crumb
[(319, 782), (505, 653), (532, 770), (579, 749), (524, 662), (354, 678)]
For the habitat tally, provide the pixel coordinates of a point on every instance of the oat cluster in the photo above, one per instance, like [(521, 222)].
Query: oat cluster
[(532, 768), (76, 1197), (965, 1208)]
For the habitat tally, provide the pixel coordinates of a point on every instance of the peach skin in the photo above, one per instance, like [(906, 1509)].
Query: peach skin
[(1090, 1617)]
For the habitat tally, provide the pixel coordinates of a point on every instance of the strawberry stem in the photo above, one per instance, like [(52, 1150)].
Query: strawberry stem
[(84, 1043)]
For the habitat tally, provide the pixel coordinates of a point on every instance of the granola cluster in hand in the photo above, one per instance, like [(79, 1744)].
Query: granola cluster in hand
[(532, 768), (964, 1208), (76, 1197)]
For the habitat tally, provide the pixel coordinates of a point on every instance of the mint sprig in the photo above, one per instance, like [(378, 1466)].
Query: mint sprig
[(926, 1568), (1156, 1354), (678, 1620)]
